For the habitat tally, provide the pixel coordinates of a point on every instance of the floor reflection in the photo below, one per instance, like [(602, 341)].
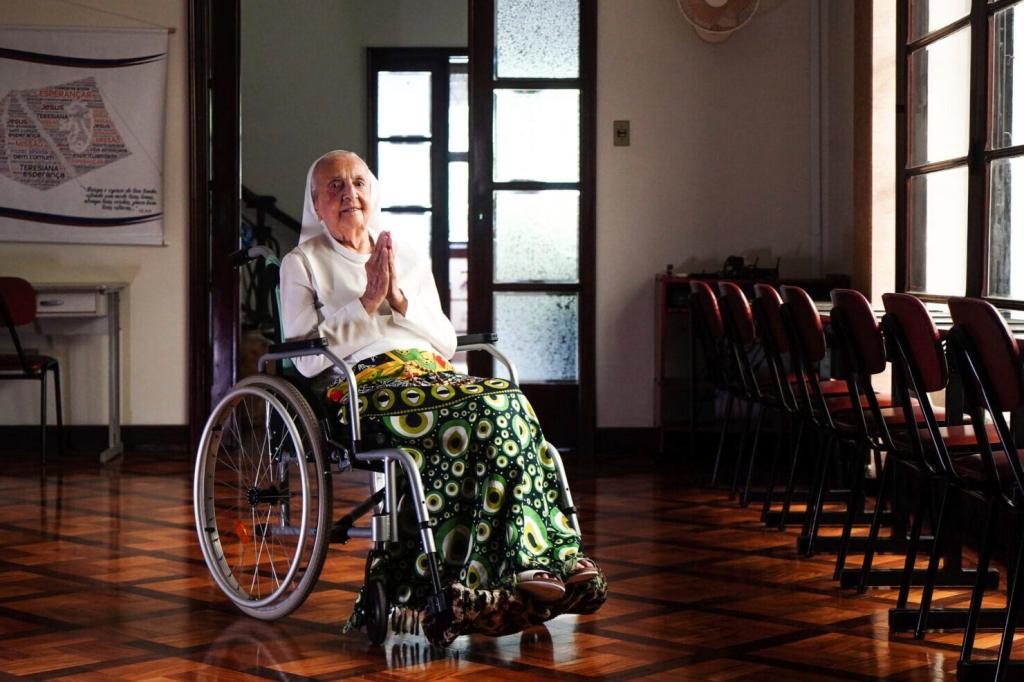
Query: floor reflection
[(101, 578)]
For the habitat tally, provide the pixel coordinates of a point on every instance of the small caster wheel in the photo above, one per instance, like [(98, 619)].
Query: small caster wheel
[(376, 611)]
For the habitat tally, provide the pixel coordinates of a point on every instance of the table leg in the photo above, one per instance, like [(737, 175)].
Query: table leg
[(115, 447)]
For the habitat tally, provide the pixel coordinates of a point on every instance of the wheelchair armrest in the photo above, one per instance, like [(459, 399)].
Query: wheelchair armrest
[(485, 342), (303, 345), (476, 339)]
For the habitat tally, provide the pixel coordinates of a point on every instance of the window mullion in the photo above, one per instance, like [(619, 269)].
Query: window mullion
[(976, 183)]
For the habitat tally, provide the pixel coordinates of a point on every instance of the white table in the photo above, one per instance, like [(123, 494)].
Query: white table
[(81, 308)]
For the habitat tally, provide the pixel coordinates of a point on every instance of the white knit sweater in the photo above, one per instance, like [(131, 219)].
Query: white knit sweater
[(320, 297)]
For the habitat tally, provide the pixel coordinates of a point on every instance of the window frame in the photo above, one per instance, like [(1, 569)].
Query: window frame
[(435, 60), (979, 155)]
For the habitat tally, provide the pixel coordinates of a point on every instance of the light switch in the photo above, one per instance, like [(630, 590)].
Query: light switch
[(620, 133)]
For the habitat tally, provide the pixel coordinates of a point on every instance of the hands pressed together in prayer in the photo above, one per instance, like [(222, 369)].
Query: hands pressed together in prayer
[(381, 280)]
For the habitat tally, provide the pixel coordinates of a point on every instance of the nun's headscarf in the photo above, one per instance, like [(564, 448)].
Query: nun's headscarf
[(311, 223)]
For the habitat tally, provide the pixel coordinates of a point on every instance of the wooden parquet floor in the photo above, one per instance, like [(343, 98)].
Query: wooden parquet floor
[(101, 579)]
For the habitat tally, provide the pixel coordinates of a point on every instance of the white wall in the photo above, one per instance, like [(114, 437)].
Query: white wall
[(154, 319), (720, 163)]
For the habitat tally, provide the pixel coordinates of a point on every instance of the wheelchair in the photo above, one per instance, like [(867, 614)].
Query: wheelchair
[(265, 474)]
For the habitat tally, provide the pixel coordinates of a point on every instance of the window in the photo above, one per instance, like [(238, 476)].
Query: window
[(419, 149), (961, 157)]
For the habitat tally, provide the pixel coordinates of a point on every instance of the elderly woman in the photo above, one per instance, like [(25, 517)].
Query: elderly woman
[(490, 481)]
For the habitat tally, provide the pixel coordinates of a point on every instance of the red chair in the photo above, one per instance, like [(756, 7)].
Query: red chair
[(861, 350), (709, 331), (765, 392), (988, 358), (936, 455), (17, 308), (807, 342), (767, 309)]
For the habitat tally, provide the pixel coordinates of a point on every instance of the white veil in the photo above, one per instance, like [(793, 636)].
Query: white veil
[(311, 223)]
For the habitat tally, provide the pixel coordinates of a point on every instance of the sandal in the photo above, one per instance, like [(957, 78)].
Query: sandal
[(542, 585), (585, 571)]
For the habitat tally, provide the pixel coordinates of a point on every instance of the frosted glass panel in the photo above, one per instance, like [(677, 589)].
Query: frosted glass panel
[(404, 174), (537, 38), (940, 77), (458, 113), (1006, 228), (540, 332), (929, 15), (410, 229), (458, 201), (937, 209), (403, 103), (536, 236), (536, 135), (1007, 106)]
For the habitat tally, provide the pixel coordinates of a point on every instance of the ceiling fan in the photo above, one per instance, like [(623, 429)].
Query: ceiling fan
[(716, 20)]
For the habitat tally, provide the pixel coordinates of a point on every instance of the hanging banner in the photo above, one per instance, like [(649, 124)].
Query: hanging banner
[(81, 135)]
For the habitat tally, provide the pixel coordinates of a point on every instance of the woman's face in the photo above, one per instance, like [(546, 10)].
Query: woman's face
[(343, 194)]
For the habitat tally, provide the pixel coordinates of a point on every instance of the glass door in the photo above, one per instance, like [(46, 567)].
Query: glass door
[(532, 231)]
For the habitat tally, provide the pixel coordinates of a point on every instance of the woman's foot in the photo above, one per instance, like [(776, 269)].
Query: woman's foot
[(585, 570), (541, 585)]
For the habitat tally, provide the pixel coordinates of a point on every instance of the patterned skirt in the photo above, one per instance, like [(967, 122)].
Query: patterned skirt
[(492, 490)]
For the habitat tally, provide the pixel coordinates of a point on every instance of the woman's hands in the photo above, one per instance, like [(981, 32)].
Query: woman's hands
[(381, 280)]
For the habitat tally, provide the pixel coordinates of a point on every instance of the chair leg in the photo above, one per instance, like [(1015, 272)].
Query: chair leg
[(745, 495), (984, 554), (773, 471), (721, 438), (922, 503), (814, 515), (933, 566), (740, 450), (884, 481), (42, 418), (60, 411), (1012, 604), (852, 502), (794, 461)]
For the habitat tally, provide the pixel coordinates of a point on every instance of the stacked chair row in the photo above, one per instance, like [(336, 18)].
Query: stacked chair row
[(848, 439)]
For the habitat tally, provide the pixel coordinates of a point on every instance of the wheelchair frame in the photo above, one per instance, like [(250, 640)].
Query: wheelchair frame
[(293, 412)]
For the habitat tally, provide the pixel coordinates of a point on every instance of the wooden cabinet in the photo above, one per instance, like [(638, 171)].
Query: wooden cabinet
[(673, 364)]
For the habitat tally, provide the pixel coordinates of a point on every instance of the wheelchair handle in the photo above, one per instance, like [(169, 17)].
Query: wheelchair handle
[(243, 256), (483, 342)]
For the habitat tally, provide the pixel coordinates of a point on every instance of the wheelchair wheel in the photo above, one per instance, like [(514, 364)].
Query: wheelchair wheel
[(263, 497)]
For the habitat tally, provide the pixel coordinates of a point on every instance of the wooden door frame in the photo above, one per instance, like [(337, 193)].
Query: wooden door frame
[(481, 265), (214, 31), (214, 200)]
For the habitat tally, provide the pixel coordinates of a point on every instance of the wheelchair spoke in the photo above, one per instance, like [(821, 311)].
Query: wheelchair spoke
[(262, 533), (273, 569)]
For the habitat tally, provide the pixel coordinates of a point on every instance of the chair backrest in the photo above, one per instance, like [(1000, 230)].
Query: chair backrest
[(771, 306), (996, 348), (920, 367), (806, 322), (865, 338), (19, 298), (737, 311), (988, 359), (707, 305), (921, 339)]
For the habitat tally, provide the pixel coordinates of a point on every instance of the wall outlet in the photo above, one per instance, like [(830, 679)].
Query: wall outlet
[(620, 133)]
